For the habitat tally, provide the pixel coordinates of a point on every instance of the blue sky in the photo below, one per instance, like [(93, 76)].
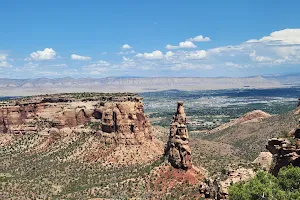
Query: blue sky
[(148, 38)]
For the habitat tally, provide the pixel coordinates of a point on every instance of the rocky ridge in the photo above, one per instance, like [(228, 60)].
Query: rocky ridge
[(253, 116)]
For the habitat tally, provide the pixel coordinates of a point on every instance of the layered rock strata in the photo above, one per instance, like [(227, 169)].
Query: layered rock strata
[(117, 118), (178, 150)]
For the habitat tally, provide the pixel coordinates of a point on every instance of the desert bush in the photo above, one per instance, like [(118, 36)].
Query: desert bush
[(266, 186)]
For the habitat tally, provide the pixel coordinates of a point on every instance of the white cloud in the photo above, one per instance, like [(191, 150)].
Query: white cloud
[(31, 65), (126, 52), (257, 58), (286, 36), (182, 45), (287, 51), (168, 46), (46, 54), (59, 65), (126, 46), (127, 63), (100, 63), (224, 49), (193, 66), (200, 38), (79, 57), (234, 65), (196, 55), (97, 68), (127, 59), (3, 56), (155, 55), (5, 64), (169, 54)]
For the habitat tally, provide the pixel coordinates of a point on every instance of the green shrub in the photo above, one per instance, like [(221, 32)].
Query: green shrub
[(266, 186)]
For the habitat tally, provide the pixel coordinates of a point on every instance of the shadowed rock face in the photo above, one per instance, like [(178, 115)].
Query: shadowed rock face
[(285, 151), (118, 118), (178, 149)]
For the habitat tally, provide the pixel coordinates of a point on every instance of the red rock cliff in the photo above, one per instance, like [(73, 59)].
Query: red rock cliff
[(117, 117)]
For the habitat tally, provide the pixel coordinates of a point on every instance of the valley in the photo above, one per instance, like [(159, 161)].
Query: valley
[(100, 145)]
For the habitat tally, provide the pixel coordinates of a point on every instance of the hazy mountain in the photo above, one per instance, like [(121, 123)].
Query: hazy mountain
[(16, 87)]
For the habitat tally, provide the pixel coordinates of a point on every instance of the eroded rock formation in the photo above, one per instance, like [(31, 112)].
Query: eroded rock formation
[(178, 150), (217, 189), (117, 118), (285, 151)]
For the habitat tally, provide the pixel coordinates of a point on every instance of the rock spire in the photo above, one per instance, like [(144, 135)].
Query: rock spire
[(178, 150)]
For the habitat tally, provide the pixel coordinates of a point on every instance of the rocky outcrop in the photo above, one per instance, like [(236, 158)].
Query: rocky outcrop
[(117, 118), (285, 152), (264, 160), (178, 150), (216, 189)]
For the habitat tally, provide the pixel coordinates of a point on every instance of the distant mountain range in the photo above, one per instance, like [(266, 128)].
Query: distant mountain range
[(21, 87)]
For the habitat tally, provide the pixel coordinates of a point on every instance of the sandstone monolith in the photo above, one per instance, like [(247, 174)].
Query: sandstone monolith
[(178, 150)]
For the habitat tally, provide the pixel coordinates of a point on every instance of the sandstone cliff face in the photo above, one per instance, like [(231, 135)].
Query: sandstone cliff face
[(117, 118), (178, 149)]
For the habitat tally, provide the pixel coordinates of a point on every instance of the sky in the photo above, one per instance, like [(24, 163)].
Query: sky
[(139, 38)]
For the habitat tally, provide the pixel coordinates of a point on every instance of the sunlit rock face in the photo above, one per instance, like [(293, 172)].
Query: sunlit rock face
[(178, 150), (117, 118)]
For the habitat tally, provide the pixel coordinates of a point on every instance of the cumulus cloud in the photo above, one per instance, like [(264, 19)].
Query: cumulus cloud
[(46, 54), (286, 36), (200, 38), (258, 58), (169, 54), (5, 64), (182, 45), (3, 56), (79, 57), (126, 46), (155, 55), (196, 55), (287, 51), (233, 65)]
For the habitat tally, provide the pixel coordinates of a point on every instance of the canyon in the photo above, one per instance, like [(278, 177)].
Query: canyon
[(88, 145)]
